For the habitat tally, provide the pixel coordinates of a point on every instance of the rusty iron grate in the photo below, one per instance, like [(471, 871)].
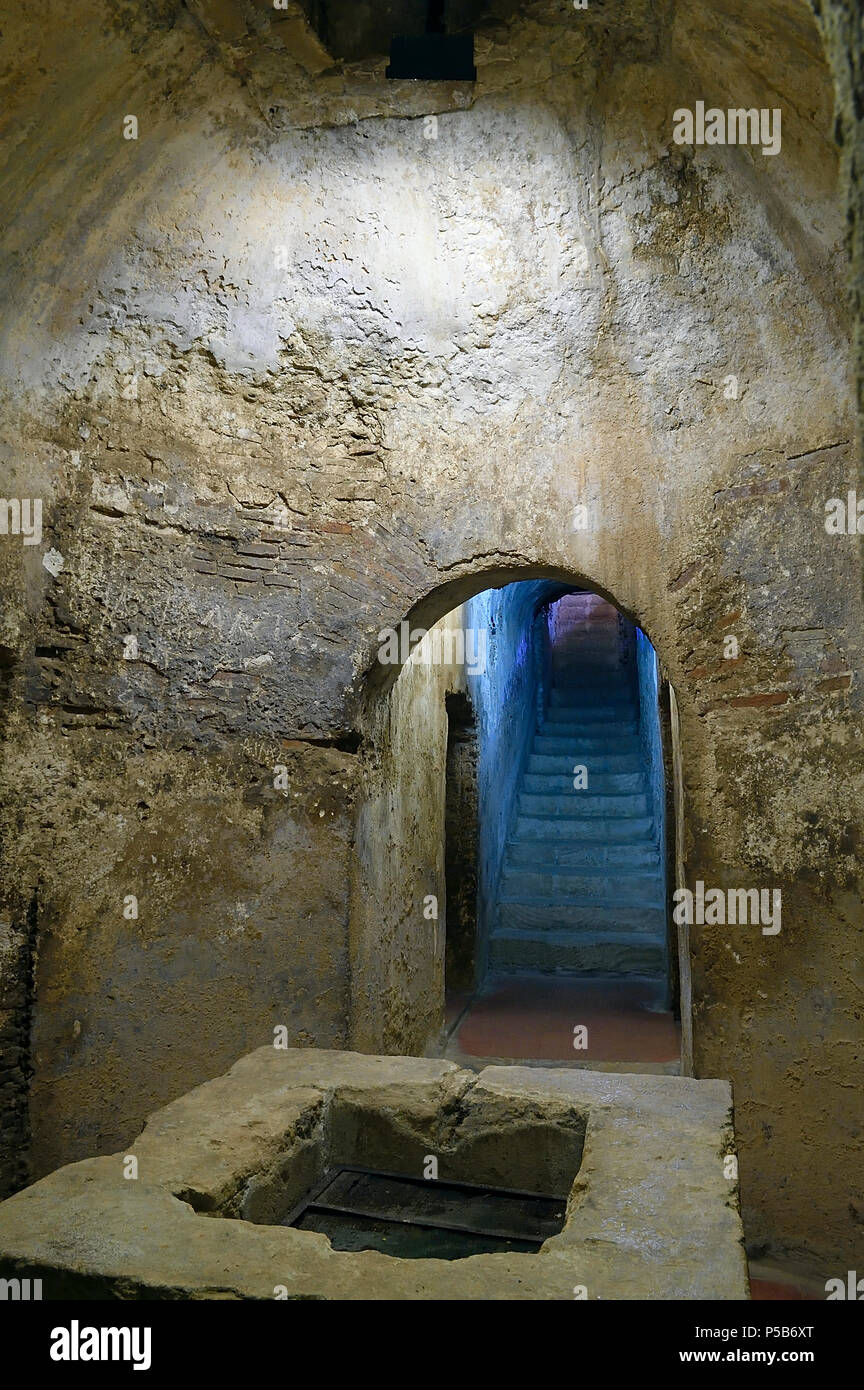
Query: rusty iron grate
[(424, 1218)]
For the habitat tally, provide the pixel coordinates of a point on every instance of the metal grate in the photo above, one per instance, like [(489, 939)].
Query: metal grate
[(422, 1218)]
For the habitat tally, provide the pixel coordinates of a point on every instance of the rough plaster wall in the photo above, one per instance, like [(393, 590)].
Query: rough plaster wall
[(471, 335), (397, 951), (542, 642), (681, 938), (504, 698), (461, 852), (842, 26), (647, 679), (242, 922), (16, 1002)]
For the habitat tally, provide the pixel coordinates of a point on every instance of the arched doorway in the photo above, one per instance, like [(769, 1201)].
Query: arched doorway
[(516, 852)]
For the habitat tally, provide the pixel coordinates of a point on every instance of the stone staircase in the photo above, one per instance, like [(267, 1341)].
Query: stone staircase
[(582, 887)]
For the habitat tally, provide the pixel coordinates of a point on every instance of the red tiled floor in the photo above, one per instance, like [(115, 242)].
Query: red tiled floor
[(453, 1006), (764, 1290), (534, 1016), (778, 1283)]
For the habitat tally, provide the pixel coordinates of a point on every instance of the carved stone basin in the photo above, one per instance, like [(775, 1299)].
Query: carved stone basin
[(635, 1163)]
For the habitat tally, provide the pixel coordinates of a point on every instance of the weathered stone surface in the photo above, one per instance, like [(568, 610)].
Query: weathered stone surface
[(283, 317), (650, 1214), (16, 1003)]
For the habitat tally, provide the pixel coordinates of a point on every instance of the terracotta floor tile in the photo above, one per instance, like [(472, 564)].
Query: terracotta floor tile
[(777, 1283), (534, 1016), (453, 1006), (763, 1290)]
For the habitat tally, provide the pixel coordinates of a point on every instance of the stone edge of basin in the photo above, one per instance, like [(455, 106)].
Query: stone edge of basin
[(650, 1215)]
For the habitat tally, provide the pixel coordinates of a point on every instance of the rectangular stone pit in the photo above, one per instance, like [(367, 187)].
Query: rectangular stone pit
[(638, 1161)]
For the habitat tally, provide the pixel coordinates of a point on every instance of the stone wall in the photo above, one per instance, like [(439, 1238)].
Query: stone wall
[(842, 26), (461, 849), (398, 894), (505, 698), (286, 370), (648, 685), (16, 1004)]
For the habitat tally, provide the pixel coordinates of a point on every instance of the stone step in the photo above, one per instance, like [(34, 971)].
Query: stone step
[(598, 636), (614, 738), (592, 685), (565, 743), (566, 854), (592, 695), (599, 954), (603, 669), (591, 700), (615, 888), (566, 714), (532, 915), (622, 830), (597, 762), (583, 804), (605, 783), (573, 714), (612, 731)]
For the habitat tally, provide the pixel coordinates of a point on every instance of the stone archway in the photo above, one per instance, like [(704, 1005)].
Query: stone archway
[(397, 957)]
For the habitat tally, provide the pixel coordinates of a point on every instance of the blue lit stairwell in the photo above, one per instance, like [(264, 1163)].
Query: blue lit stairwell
[(582, 885)]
